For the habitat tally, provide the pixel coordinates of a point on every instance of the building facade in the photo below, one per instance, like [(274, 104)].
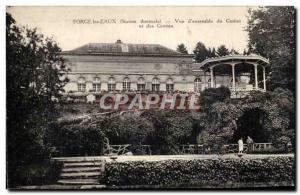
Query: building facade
[(98, 68)]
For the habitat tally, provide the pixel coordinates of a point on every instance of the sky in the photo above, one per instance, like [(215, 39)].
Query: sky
[(65, 25)]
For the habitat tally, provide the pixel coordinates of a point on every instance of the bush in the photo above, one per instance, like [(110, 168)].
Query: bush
[(178, 172), (211, 95), (74, 139), (164, 131), (39, 174)]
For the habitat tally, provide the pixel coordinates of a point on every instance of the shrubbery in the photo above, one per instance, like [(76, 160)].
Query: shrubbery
[(165, 131), (171, 172), (211, 95), (74, 139), (39, 174), (262, 116)]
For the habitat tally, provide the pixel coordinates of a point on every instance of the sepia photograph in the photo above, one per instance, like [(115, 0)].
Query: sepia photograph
[(150, 98)]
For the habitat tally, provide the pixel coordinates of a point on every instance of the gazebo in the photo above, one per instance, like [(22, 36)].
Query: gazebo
[(237, 60)]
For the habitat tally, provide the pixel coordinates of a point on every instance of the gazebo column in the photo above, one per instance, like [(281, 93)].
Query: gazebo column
[(264, 77), (255, 74), (211, 77), (233, 76)]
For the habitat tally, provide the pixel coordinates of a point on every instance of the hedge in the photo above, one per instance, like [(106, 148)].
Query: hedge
[(178, 172)]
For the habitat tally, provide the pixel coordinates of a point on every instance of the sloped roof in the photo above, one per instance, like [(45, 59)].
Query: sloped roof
[(124, 48)]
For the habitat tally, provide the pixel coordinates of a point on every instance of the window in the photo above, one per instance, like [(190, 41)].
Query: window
[(96, 84), (197, 85), (111, 84), (155, 85), (81, 87), (111, 87), (81, 84), (170, 85), (141, 85), (126, 84)]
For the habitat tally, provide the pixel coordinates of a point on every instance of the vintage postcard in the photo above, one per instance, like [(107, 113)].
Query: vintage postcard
[(164, 98)]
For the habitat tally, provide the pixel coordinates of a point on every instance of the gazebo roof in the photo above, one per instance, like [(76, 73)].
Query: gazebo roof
[(233, 58)]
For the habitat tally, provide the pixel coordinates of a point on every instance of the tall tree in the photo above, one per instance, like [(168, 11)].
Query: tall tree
[(34, 78), (222, 51), (182, 48), (200, 52), (211, 52), (272, 35)]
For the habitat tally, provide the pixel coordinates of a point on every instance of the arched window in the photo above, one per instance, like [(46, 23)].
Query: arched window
[(111, 84), (96, 84), (81, 84), (155, 84), (197, 84), (170, 85), (126, 84), (141, 84)]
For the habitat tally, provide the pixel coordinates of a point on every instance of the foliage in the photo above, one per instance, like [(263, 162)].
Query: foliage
[(221, 125), (170, 172), (212, 95), (39, 174), (200, 52), (273, 117), (278, 119), (234, 52), (125, 129), (211, 52), (272, 34), (171, 129), (164, 131), (34, 78), (222, 51), (74, 139), (182, 48), (221, 116)]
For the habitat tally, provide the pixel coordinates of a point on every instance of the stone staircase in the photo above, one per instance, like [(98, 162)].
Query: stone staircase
[(81, 171)]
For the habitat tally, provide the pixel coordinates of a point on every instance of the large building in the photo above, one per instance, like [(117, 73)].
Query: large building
[(98, 68)]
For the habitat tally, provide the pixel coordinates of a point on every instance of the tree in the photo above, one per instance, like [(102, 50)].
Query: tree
[(234, 52), (182, 48), (34, 79), (200, 52), (272, 35), (211, 52), (222, 51)]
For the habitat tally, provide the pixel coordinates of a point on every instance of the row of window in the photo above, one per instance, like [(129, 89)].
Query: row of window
[(140, 85), (126, 87), (141, 80)]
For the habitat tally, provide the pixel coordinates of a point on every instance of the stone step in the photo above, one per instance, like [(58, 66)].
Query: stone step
[(82, 164), (81, 175), (78, 181), (73, 159), (80, 169), (81, 160)]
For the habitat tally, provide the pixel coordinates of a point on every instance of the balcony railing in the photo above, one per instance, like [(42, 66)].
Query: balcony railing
[(241, 92)]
